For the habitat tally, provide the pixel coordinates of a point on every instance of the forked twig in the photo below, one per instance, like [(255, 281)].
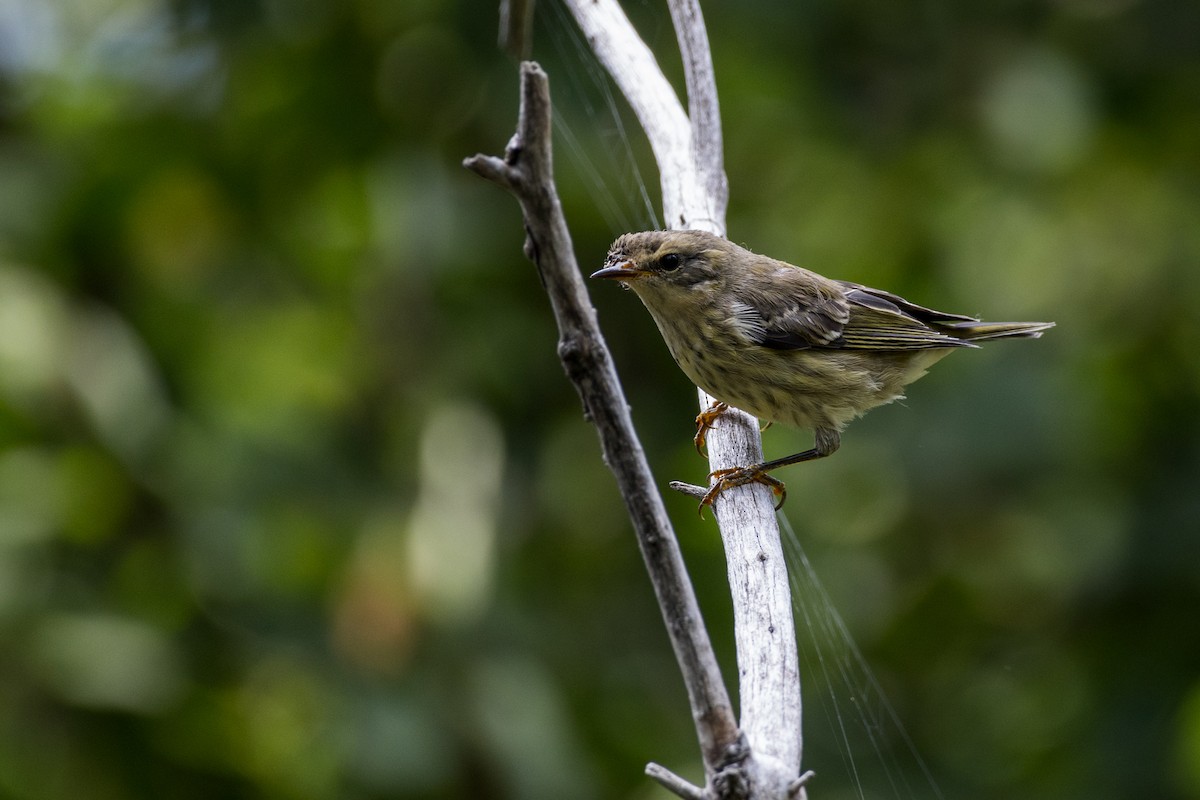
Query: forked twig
[(526, 171)]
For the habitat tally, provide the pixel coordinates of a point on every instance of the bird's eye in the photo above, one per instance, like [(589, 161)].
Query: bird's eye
[(670, 262)]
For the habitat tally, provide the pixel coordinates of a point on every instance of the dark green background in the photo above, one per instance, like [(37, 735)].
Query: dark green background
[(295, 501)]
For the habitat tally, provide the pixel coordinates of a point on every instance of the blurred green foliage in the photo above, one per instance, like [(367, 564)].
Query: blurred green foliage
[(295, 501)]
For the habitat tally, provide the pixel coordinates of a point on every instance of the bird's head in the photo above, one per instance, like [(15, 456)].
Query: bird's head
[(666, 267)]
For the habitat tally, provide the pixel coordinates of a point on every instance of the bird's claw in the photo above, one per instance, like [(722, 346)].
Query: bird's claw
[(739, 476), (704, 423)]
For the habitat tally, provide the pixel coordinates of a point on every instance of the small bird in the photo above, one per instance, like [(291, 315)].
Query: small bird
[(784, 343)]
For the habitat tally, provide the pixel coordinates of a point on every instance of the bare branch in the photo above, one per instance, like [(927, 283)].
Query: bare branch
[(687, 203), (690, 489), (704, 110), (694, 196), (526, 171), (673, 783), (763, 759), (796, 789)]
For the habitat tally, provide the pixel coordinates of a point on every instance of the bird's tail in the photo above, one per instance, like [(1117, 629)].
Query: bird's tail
[(974, 331)]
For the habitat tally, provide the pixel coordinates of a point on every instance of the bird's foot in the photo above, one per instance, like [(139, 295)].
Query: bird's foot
[(739, 476), (704, 423)]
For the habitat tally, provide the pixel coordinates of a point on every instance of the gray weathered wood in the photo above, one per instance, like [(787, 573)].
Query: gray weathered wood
[(527, 172), (688, 148)]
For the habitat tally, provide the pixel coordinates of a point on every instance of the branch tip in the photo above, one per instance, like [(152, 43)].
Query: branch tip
[(796, 787), (690, 489), (492, 169), (673, 783)]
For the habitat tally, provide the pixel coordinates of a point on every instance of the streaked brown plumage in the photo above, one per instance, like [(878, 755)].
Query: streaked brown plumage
[(784, 343)]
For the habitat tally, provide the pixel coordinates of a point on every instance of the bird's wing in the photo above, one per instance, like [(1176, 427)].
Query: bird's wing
[(881, 320), (805, 311), (793, 309), (886, 301)]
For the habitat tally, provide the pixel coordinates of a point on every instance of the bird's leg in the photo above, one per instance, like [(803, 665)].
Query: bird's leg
[(827, 441), (704, 423)]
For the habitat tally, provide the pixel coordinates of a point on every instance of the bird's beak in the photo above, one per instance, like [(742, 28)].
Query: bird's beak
[(625, 271)]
